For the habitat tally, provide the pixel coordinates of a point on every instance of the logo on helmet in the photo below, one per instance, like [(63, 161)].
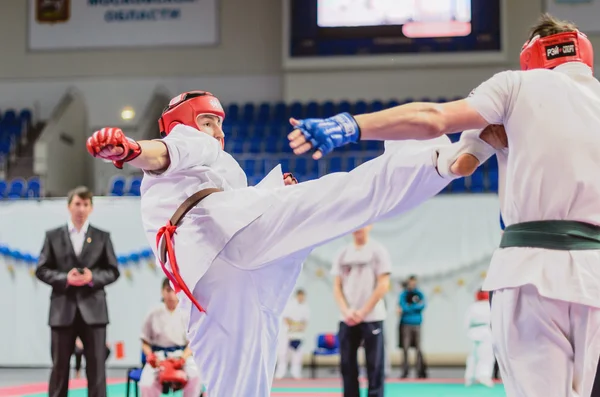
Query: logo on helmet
[(561, 50), (214, 102)]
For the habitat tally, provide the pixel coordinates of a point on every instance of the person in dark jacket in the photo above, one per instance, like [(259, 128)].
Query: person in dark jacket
[(78, 261)]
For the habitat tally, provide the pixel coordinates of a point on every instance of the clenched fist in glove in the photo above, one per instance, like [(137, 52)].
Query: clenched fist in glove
[(324, 135), (112, 144)]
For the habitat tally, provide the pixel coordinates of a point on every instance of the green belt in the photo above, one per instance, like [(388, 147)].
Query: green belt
[(554, 235)]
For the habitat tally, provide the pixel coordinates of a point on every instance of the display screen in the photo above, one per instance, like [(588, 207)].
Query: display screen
[(427, 18), (362, 27)]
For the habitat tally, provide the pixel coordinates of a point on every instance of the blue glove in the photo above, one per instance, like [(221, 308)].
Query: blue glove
[(328, 134)]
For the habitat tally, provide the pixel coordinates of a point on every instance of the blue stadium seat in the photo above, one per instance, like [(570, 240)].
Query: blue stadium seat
[(248, 114), (492, 163), (477, 181), (134, 186), (234, 146), (25, 116), (273, 145), (492, 179), (366, 158), (10, 116), (280, 112), (249, 166), (374, 145), (297, 110), (344, 106), (376, 106), (264, 112), (285, 165), (4, 145), (458, 185), (335, 164), (233, 113), (3, 189), (313, 110), (301, 166), (243, 131), (328, 109), (350, 163), (254, 179), (391, 104), (16, 188), (34, 187), (256, 146), (117, 186), (228, 131), (454, 137), (360, 107)]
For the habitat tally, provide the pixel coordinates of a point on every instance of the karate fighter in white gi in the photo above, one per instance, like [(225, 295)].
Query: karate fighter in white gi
[(236, 251), (480, 362), (546, 276), (164, 337)]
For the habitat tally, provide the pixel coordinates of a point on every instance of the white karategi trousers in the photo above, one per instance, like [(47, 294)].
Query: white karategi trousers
[(246, 286)]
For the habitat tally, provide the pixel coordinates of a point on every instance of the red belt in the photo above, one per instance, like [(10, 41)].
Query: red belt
[(166, 249)]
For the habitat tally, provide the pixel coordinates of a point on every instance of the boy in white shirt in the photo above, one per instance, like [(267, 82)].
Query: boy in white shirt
[(295, 318)]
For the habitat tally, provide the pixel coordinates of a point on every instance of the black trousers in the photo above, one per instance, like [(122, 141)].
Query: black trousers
[(371, 336), (79, 357), (93, 338), (410, 336)]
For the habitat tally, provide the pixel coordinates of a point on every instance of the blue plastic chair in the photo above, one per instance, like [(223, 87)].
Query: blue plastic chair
[(335, 164), (117, 186), (134, 186), (376, 106), (297, 110), (301, 166), (350, 163), (264, 112), (327, 345), (17, 188), (25, 116), (360, 107), (313, 110), (492, 177), (345, 106), (3, 189), (328, 109), (233, 113), (458, 186), (256, 146), (34, 187), (133, 376), (280, 112), (248, 115), (477, 181)]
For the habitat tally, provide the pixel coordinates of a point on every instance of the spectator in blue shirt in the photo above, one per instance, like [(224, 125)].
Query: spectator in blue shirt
[(412, 303)]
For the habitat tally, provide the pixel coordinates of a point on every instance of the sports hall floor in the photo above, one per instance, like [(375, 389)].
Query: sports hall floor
[(443, 382)]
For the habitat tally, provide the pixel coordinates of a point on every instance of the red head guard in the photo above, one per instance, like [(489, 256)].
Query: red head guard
[(185, 109), (482, 295), (550, 51)]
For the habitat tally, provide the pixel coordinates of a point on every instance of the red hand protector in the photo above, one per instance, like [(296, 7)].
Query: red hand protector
[(151, 360), (103, 141)]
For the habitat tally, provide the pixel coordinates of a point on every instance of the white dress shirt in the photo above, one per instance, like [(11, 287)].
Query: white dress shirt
[(77, 236)]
